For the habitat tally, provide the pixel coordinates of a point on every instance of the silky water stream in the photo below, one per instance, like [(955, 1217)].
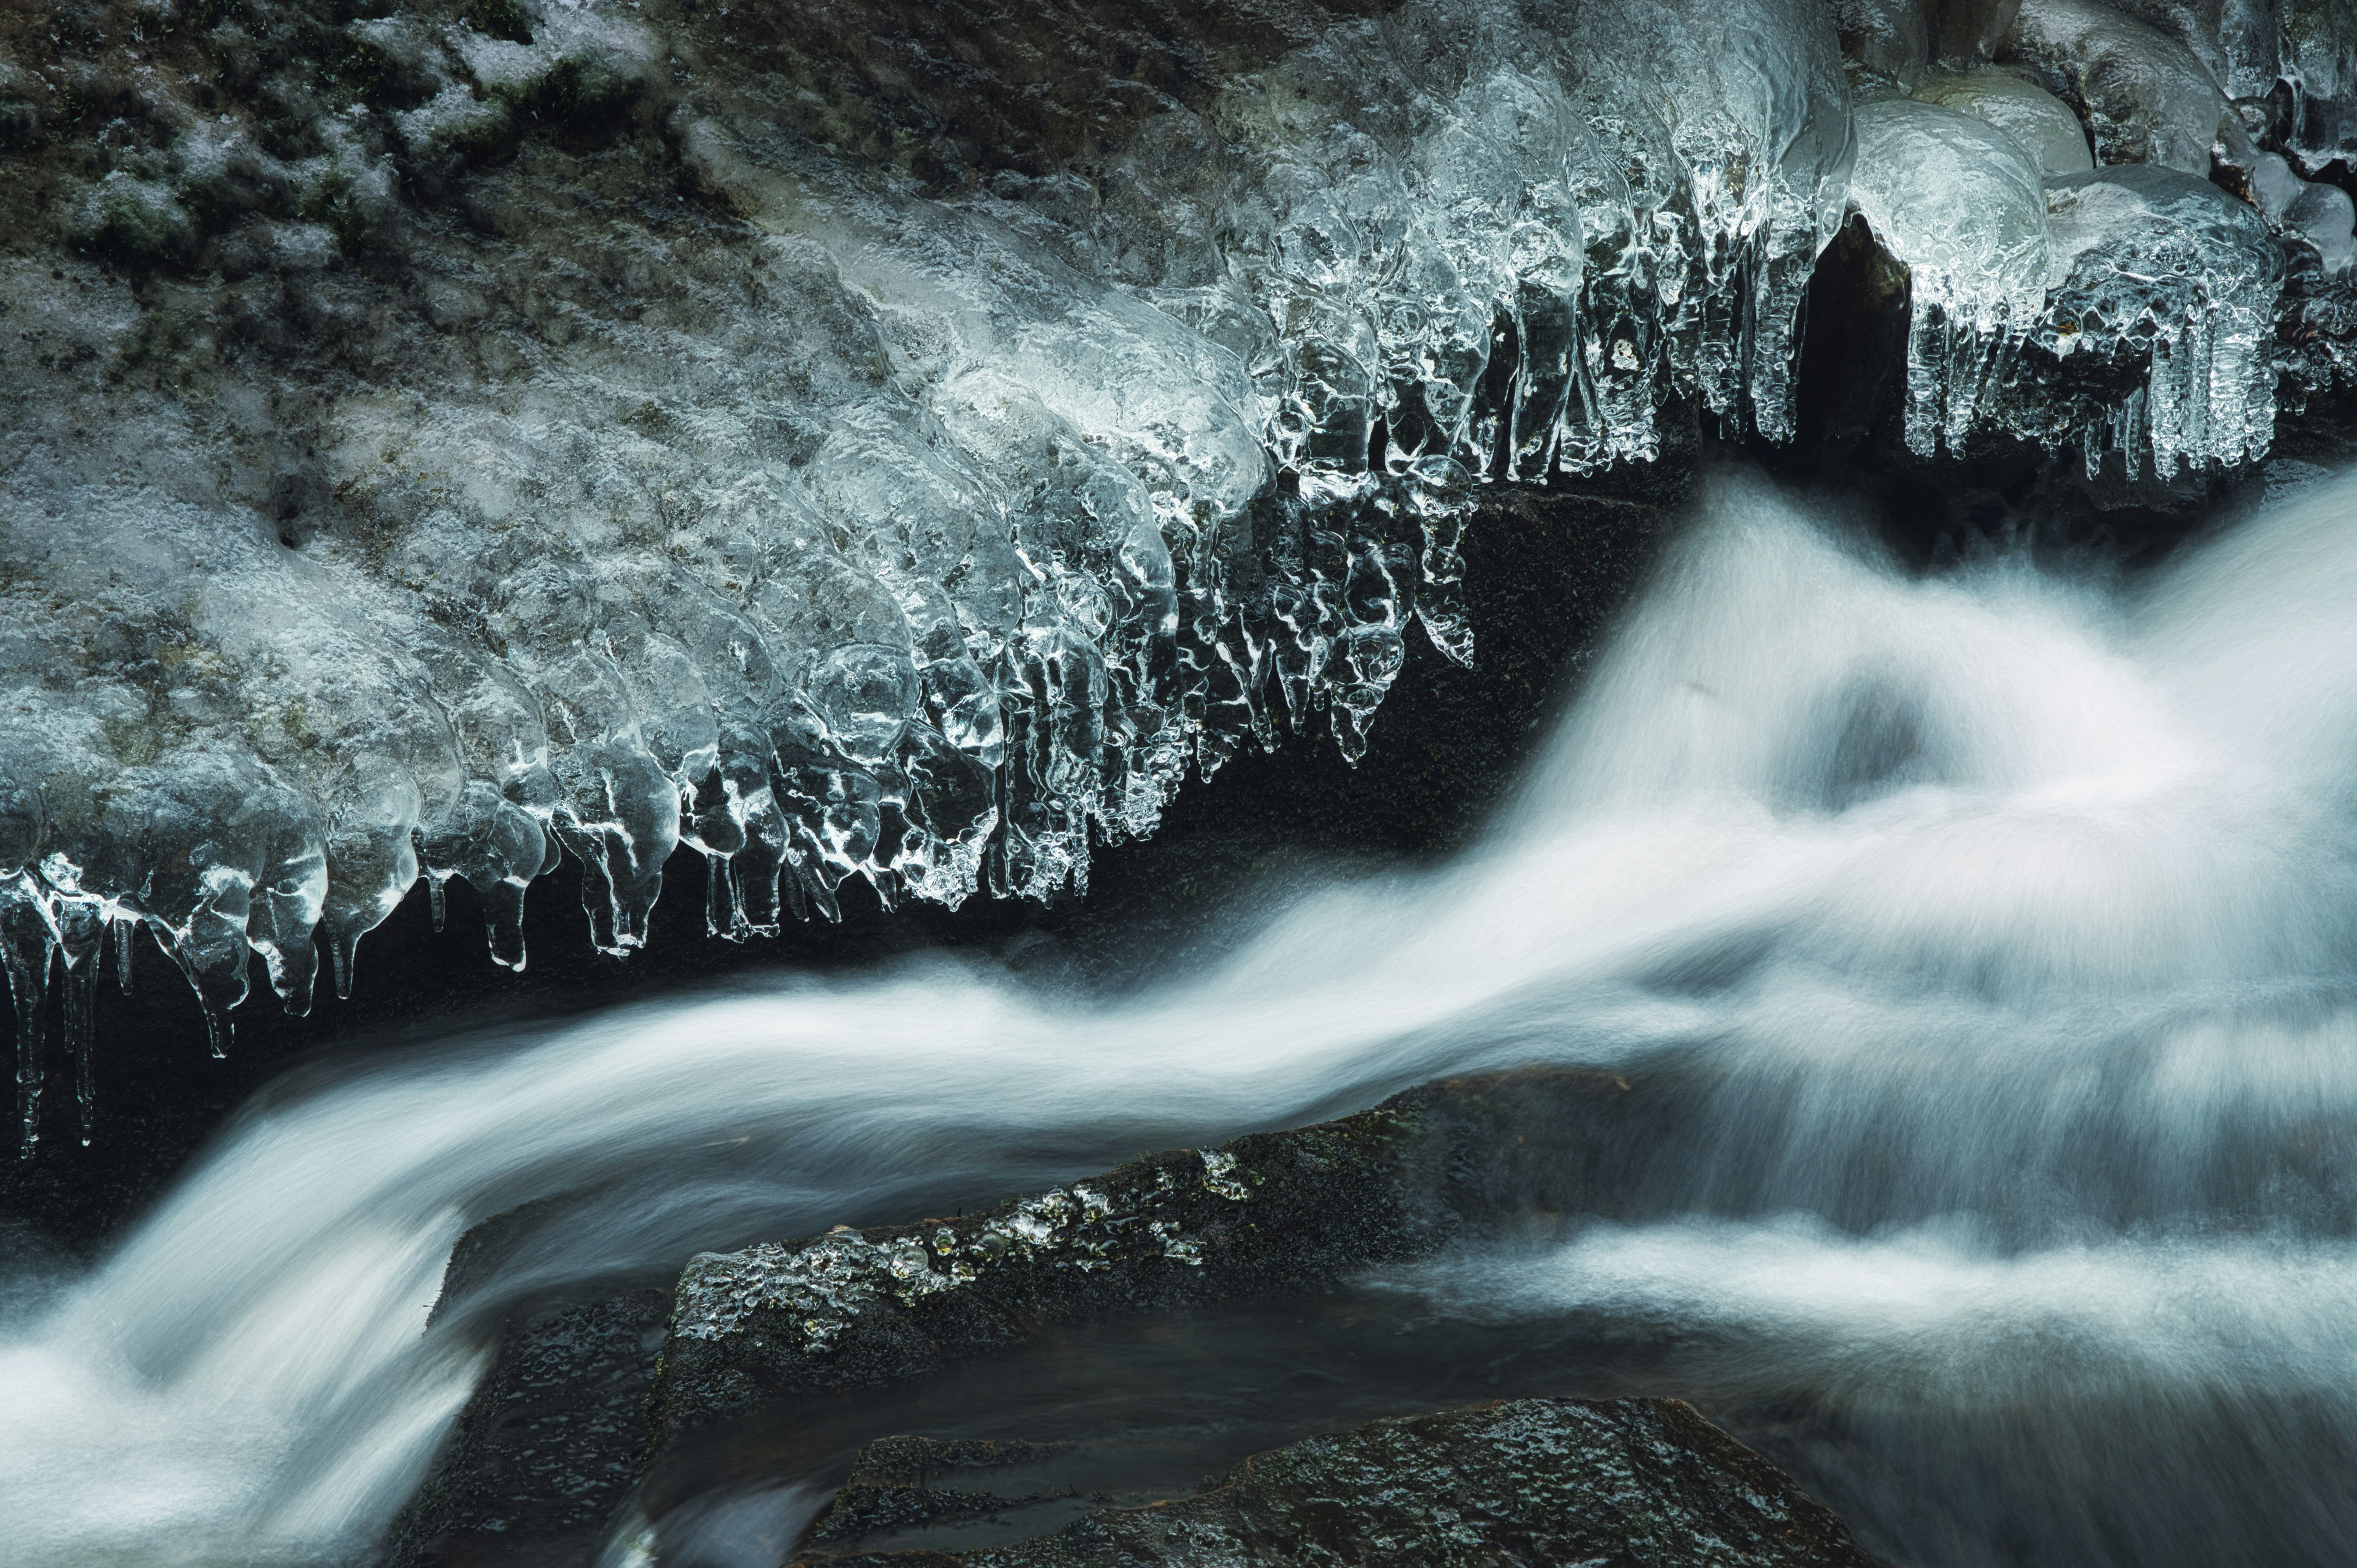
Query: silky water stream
[(1998, 922)]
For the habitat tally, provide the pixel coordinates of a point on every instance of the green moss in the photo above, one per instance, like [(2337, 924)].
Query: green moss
[(578, 94), (131, 744), (499, 18), (137, 222), (480, 136), (335, 203), (357, 67)]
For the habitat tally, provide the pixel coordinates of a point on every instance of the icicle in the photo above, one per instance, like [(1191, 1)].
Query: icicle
[(1440, 596), (724, 910), (27, 938), (598, 902), (122, 945), (1927, 374), (293, 970), (755, 869), (809, 877), (437, 900), (634, 904), (218, 1031), (503, 922), (219, 985), (81, 933), (2130, 432)]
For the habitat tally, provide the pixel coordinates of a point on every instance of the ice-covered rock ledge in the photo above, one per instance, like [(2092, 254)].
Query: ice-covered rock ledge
[(860, 441)]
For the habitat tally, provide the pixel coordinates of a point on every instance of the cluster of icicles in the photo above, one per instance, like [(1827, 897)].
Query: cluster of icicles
[(1482, 242)]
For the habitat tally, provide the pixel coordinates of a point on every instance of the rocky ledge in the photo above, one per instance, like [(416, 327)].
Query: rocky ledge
[(544, 1453), (1271, 1215)]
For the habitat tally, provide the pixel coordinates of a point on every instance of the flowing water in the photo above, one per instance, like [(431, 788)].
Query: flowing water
[(1998, 921)]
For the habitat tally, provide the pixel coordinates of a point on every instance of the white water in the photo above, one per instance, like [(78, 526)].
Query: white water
[(2000, 924)]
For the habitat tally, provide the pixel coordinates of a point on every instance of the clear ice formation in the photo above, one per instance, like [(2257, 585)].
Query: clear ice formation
[(938, 539), (2040, 123), (1961, 206), (2018, 283), (2176, 278), (2146, 96)]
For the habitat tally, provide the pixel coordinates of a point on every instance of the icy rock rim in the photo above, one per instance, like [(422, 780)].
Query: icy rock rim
[(1087, 487)]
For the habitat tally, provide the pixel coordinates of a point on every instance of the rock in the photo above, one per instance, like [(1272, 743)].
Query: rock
[(1540, 1483), (495, 461), (903, 1485), (550, 1442), (1271, 1215), (137, 221), (587, 1394)]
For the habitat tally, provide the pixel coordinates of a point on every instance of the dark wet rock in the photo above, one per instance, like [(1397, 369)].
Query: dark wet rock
[(559, 1428), (1530, 1482), (548, 1445), (1271, 1215), (556, 1432), (901, 1483)]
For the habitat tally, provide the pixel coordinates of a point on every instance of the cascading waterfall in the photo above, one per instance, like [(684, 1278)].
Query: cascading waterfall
[(1999, 921)]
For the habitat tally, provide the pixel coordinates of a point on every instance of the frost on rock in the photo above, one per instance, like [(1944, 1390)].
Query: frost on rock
[(821, 1287), (1958, 203)]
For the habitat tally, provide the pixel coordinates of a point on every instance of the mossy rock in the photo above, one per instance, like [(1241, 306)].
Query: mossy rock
[(137, 222)]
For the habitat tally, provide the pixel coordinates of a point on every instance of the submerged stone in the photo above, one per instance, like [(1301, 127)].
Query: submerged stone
[(1540, 1483), (550, 1443)]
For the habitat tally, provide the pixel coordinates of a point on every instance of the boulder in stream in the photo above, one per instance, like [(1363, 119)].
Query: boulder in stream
[(1270, 1215)]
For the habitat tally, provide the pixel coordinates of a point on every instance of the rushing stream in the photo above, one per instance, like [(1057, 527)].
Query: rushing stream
[(1999, 920)]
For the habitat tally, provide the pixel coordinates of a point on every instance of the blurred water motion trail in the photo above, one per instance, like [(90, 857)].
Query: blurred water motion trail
[(2000, 920)]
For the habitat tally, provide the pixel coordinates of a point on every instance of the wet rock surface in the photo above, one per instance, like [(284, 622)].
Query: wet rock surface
[(922, 1487), (543, 1443), (1537, 1482), (551, 1440), (1271, 1215)]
